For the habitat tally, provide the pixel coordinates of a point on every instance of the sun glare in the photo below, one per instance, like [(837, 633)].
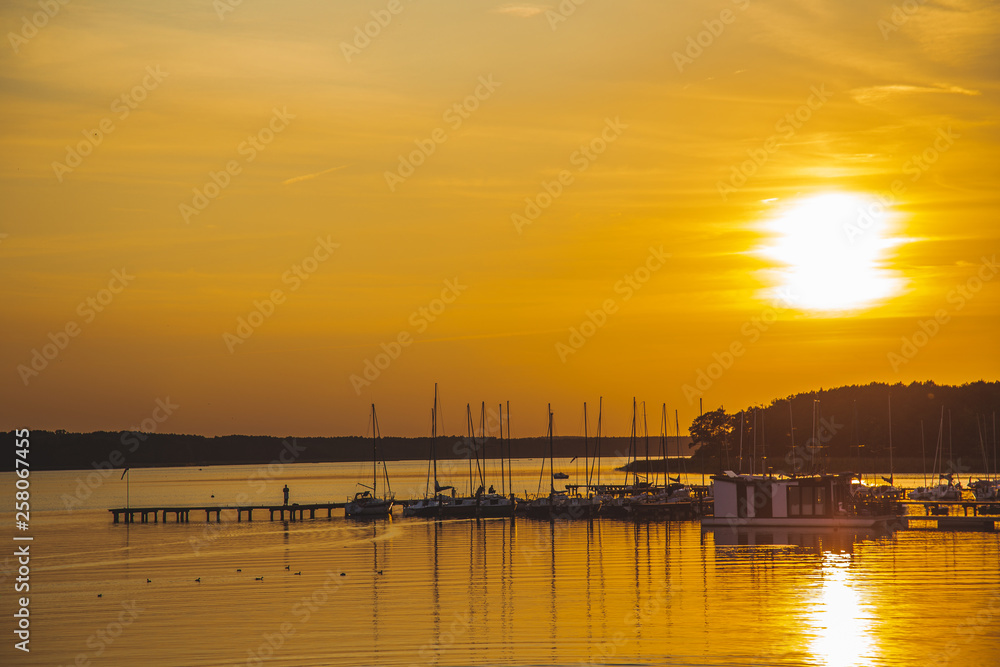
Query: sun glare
[(841, 618), (832, 251)]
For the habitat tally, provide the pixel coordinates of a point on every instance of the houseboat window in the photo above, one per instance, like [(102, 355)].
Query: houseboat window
[(820, 501), (794, 503), (807, 501)]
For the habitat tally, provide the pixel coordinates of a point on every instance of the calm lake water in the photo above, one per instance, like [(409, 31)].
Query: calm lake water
[(492, 592)]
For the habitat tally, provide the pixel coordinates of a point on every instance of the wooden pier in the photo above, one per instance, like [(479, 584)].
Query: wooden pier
[(183, 514), (938, 515)]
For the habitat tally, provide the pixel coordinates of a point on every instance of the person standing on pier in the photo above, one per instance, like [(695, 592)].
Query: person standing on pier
[(286, 494)]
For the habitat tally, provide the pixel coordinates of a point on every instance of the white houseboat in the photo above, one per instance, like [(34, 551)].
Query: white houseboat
[(825, 501)]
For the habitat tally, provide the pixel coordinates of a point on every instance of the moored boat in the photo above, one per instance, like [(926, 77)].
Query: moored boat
[(366, 504), (827, 501)]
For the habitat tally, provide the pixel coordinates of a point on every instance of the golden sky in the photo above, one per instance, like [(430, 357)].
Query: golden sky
[(676, 181)]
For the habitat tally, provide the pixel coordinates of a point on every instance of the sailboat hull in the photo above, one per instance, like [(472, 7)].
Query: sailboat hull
[(370, 509), (493, 506), (423, 508)]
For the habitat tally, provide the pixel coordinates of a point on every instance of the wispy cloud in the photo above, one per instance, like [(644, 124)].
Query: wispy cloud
[(879, 93), (520, 11), (306, 177)]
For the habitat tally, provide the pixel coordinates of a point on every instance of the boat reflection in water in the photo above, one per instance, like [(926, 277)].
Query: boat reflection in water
[(813, 540)]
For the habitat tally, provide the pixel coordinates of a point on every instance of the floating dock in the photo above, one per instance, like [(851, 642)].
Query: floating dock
[(938, 515)]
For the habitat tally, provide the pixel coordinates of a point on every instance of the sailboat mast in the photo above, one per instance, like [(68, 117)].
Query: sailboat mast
[(951, 452), (482, 437), (857, 443), (434, 435), (503, 486), (645, 433), (631, 447), (552, 481), (665, 449), (374, 454), (939, 449), (600, 410), (742, 428), (677, 435), (472, 436), (890, 441), (923, 454), (510, 478), (586, 450)]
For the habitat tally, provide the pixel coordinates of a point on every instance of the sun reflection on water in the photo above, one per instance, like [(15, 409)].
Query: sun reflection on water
[(841, 617)]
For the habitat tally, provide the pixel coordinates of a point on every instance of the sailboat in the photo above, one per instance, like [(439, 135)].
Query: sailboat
[(427, 507), (491, 503), (659, 499), (557, 504), (367, 504), (464, 507), (619, 504), (588, 504), (940, 491), (988, 489), (889, 491)]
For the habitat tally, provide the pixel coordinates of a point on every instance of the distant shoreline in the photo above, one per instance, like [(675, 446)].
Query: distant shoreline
[(903, 466), (120, 449)]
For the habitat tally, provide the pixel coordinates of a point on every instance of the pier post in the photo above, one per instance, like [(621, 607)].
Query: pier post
[(249, 514)]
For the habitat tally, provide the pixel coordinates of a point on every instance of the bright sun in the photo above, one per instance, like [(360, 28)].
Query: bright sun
[(832, 249)]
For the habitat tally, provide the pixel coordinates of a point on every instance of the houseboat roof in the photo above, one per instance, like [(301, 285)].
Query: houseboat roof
[(730, 476)]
